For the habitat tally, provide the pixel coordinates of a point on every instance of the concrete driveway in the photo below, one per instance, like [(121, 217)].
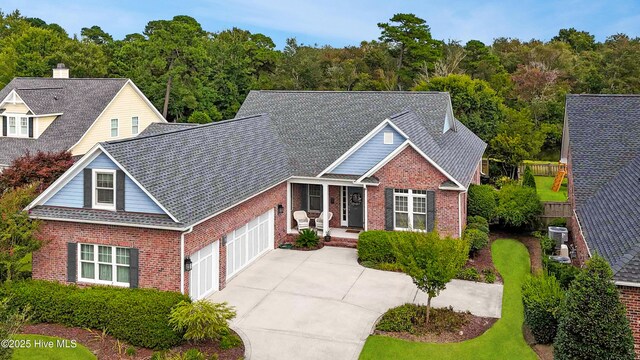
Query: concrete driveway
[(322, 304)]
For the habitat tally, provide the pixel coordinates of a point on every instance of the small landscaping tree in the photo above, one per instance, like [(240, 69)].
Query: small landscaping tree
[(429, 260), (518, 206), (18, 234), (528, 179), (482, 201), (593, 324), (43, 168)]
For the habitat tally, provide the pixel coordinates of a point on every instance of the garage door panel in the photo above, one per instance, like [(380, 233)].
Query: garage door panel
[(249, 242), (203, 277)]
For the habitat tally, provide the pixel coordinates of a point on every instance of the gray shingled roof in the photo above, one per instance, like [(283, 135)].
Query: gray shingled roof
[(198, 171), (604, 136), (604, 141), (325, 124), (90, 215), (80, 101), (161, 128)]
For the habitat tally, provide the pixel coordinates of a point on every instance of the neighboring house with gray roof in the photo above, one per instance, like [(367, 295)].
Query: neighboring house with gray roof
[(212, 198), (601, 146), (69, 114)]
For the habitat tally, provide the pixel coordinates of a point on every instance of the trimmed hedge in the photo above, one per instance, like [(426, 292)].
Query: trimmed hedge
[(138, 316), (518, 206), (375, 246), (542, 298), (482, 201), (477, 239), (478, 222)]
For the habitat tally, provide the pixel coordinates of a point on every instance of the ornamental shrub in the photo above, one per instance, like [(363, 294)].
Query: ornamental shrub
[(565, 273), (138, 316), (202, 320), (43, 168), (482, 201), (307, 238), (478, 222), (593, 322), (477, 239), (518, 206), (542, 297), (470, 274), (528, 179), (374, 246)]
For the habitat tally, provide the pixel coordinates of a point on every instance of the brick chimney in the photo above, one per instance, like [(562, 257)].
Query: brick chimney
[(60, 72)]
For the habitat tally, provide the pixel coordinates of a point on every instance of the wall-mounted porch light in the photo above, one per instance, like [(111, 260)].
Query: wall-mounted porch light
[(188, 265), (280, 209)]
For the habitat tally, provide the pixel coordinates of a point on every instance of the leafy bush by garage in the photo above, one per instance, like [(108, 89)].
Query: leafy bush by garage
[(138, 316), (565, 273), (482, 201), (477, 239), (518, 206), (375, 246), (542, 298)]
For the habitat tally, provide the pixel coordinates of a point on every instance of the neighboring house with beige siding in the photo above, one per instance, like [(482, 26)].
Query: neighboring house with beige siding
[(61, 113)]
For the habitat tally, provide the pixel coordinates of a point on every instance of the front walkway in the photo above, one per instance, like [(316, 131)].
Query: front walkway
[(322, 304)]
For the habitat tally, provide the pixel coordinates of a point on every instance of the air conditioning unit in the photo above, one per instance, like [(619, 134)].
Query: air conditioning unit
[(559, 234)]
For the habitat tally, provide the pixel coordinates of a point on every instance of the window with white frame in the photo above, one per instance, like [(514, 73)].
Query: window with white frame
[(104, 189), (114, 127), (315, 197), (410, 209), (18, 126), (388, 138), (135, 125), (103, 264)]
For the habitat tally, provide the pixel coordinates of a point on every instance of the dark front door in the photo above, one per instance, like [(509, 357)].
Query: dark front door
[(355, 204)]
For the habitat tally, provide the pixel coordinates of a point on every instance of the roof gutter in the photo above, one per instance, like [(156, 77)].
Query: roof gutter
[(627, 283), (182, 258)]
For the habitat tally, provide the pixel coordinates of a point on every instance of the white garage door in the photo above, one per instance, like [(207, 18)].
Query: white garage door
[(248, 242), (204, 276)]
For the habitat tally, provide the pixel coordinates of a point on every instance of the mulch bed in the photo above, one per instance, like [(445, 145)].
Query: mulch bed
[(545, 352), (482, 260), (531, 242), (107, 347), (474, 327)]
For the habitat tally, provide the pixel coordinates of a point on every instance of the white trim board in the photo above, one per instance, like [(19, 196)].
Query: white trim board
[(109, 223), (16, 100), (360, 143)]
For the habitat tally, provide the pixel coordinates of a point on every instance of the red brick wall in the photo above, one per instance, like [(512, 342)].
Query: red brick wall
[(334, 194), (409, 170), (213, 229), (582, 252), (159, 251), (630, 297)]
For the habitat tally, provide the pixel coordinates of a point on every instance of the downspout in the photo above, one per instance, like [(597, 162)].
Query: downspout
[(460, 214), (182, 258)]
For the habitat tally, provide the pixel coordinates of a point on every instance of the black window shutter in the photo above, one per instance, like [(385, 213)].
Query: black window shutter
[(304, 194), (388, 209), (4, 126), (88, 188), (72, 261), (30, 127), (120, 190), (431, 210), (133, 267)]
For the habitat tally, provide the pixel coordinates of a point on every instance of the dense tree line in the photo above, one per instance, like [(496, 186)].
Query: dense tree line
[(511, 92)]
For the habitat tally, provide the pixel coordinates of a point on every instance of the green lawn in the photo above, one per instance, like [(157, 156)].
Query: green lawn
[(543, 186), (503, 341), (55, 353)]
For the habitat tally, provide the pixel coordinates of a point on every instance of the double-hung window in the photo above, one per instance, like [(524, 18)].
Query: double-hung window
[(24, 126), (114, 127), (410, 209), (315, 197), (18, 126), (104, 189), (13, 126), (135, 127), (103, 264)]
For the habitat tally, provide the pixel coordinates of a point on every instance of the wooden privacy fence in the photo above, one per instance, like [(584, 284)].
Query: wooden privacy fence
[(555, 209), (548, 169)]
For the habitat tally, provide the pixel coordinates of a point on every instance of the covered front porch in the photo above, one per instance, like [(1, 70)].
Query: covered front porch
[(314, 202)]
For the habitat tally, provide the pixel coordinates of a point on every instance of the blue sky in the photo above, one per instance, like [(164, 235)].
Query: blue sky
[(346, 22)]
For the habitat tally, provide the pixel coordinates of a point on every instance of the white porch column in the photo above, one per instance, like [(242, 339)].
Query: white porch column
[(364, 203), (325, 209), (288, 212)]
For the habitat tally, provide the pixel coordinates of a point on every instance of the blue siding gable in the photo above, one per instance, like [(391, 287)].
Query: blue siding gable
[(370, 153), (72, 194)]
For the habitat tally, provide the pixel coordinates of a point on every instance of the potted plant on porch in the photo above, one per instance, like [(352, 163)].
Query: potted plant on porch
[(327, 237)]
